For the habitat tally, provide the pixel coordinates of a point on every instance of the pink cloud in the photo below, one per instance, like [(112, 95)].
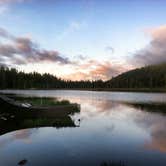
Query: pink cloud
[(94, 70)]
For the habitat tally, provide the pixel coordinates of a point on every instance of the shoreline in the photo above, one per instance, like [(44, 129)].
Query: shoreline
[(147, 90)]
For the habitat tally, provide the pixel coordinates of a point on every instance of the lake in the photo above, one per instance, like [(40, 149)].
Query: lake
[(112, 129)]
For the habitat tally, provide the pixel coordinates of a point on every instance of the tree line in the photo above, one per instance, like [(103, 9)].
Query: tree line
[(14, 79), (153, 76)]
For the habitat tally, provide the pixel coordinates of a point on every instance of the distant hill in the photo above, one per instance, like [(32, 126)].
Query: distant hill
[(153, 76)]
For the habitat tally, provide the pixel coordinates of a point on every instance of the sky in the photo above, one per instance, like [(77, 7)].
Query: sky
[(82, 39)]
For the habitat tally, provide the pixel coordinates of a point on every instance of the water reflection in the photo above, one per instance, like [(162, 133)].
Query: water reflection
[(110, 132), (20, 135), (17, 124), (155, 125)]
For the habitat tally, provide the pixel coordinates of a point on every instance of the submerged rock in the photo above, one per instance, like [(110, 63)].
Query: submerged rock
[(22, 162)]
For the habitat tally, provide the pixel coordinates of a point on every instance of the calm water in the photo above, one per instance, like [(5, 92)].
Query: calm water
[(109, 131)]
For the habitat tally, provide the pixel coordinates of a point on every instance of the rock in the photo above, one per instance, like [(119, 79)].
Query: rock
[(3, 118), (27, 105), (22, 162)]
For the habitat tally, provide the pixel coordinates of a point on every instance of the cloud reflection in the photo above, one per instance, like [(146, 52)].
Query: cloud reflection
[(24, 135), (155, 125)]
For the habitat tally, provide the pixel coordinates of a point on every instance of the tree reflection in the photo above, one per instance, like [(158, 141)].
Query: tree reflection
[(120, 163)]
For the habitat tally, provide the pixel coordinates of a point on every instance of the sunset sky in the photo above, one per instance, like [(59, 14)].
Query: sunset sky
[(82, 39)]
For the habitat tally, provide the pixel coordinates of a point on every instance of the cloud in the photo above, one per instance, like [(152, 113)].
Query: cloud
[(4, 33), (73, 26), (109, 49), (105, 71), (18, 50), (11, 1), (81, 57), (76, 76), (22, 50), (2, 65), (155, 51), (3, 9), (94, 70), (6, 4)]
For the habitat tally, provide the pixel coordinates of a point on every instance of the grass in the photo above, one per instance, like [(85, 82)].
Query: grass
[(41, 107), (42, 101)]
